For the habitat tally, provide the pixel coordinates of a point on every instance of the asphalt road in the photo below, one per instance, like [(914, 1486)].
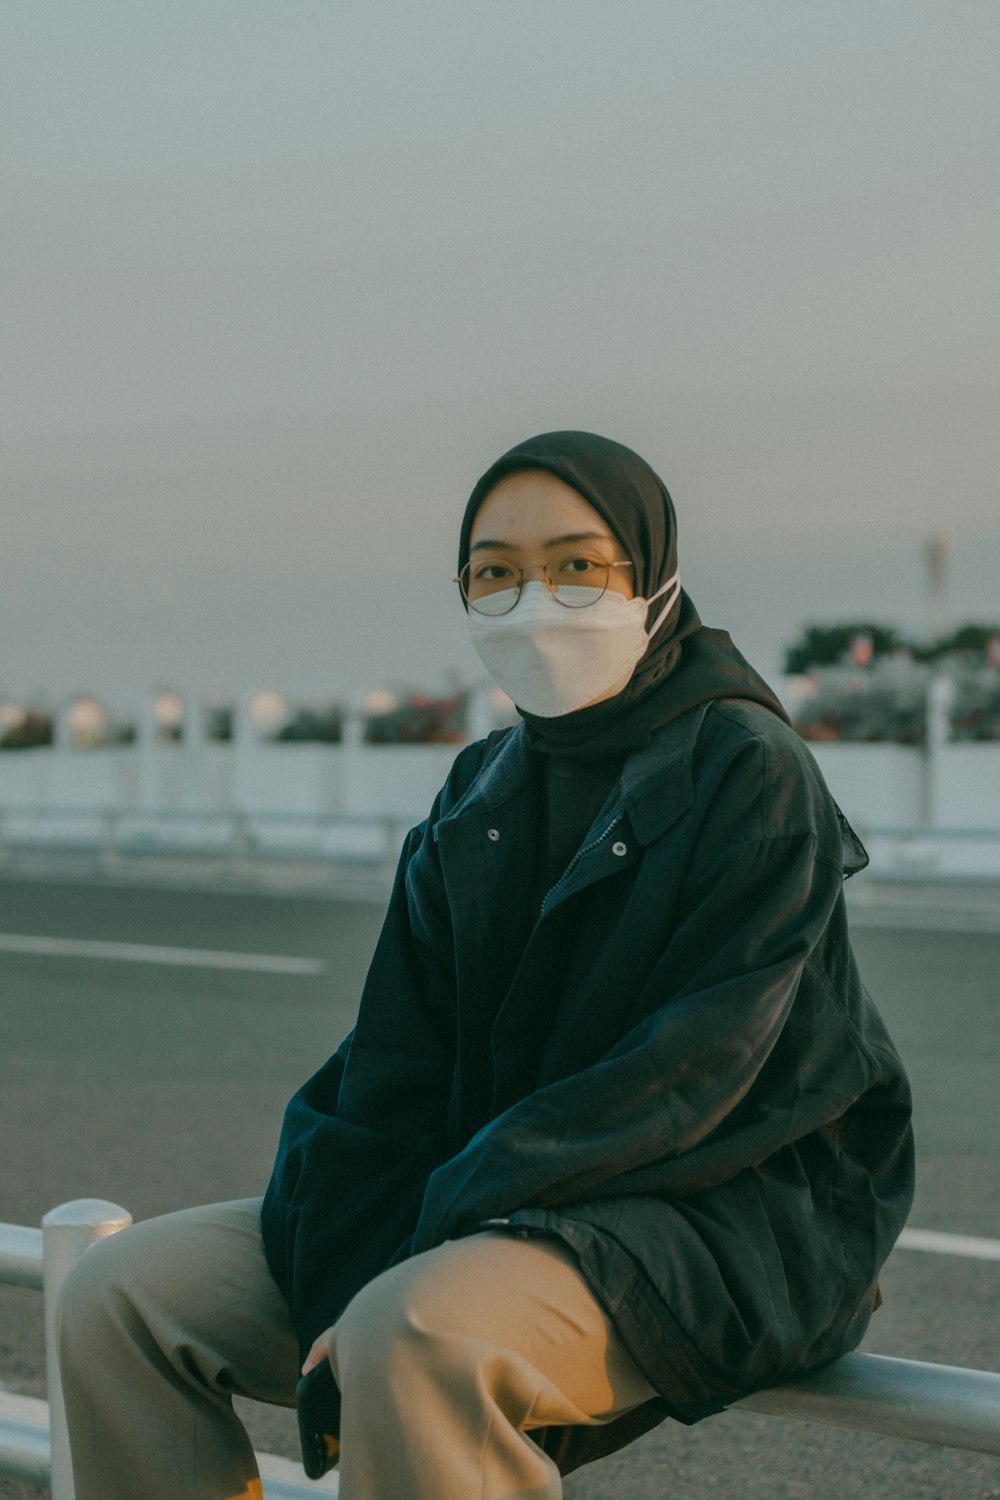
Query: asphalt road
[(158, 1084)]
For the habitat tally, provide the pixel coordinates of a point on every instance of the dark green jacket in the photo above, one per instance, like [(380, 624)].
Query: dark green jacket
[(674, 1067)]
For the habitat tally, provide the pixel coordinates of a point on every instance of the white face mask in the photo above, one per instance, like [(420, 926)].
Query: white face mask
[(552, 659)]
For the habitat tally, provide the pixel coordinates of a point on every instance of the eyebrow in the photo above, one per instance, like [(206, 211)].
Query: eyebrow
[(553, 541)]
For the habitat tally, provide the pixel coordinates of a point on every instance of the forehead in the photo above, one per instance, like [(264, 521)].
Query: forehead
[(531, 506)]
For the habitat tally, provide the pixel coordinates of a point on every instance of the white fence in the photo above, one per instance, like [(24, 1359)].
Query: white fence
[(928, 811), (901, 1398)]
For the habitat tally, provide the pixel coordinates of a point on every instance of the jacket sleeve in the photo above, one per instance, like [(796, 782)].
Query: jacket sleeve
[(360, 1137), (741, 1043)]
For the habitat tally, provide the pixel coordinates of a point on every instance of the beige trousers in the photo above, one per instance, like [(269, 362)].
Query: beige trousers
[(445, 1363)]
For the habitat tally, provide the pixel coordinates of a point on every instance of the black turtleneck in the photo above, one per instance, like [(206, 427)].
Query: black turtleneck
[(572, 793)]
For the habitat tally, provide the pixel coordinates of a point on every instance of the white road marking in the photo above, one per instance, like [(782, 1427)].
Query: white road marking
[(949, 1244), (928, 919), (147, 953)]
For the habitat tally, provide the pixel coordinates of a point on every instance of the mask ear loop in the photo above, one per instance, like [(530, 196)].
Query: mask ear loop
[(674, 584)]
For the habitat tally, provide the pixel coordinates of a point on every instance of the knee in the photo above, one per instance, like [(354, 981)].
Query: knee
[(378, 1327), (89, 1297), (84, 1305), (416, 1313), (373, 1322)]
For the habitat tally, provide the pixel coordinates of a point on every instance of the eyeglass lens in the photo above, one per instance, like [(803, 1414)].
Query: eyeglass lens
[(492, 584)]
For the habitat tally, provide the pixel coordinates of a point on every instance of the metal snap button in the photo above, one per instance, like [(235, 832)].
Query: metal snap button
[(493, 834), (619, 848)]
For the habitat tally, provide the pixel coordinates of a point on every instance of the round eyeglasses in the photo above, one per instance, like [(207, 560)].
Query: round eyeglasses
[(492, 585)]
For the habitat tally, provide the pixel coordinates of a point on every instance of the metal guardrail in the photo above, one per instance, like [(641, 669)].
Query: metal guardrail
[(941, 1404), (350, 853), (358, 851), (928, 1403), (42, 1258), (213, 829), (242, 822)]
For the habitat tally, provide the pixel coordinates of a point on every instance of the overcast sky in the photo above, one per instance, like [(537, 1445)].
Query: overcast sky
[(280, 278)]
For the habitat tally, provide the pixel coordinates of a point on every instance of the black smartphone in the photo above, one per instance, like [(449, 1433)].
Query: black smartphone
[(317, 1401)]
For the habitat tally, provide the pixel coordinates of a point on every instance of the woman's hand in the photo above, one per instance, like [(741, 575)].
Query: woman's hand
[(319, 1351)]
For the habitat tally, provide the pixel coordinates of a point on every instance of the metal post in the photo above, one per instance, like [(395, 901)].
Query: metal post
[(353, 733), (936, 551), (67, 1232), (940, 696), (62, 730)]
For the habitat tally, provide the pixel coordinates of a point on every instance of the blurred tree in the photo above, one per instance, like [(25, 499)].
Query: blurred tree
[(35, 728), (971, 640), (419, 719), (316, 725), (886, 702), (219, 721), (975, 709), (831, 645), (862, 682)]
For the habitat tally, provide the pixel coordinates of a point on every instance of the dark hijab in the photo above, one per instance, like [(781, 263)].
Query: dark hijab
[(685, 663)]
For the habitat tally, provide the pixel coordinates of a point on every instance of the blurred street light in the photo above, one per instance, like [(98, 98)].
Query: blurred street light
[(168, 715), (937, 550), (380, 701), (87, 722), (269, 712), (12, 716)]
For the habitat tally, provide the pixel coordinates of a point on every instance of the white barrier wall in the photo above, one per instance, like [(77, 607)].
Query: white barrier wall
[(300, 780), (108, 777), (967, 787), (396, 781), (944, 785), (293, 778), (878, 785)]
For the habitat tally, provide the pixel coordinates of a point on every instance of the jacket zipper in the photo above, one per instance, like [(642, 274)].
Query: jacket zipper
[(587, 849)]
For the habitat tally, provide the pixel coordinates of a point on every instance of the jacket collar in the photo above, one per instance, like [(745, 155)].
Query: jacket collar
[(656, 786)]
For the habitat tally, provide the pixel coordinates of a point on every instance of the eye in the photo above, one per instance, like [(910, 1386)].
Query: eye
[(492, 572), (579, 566)]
